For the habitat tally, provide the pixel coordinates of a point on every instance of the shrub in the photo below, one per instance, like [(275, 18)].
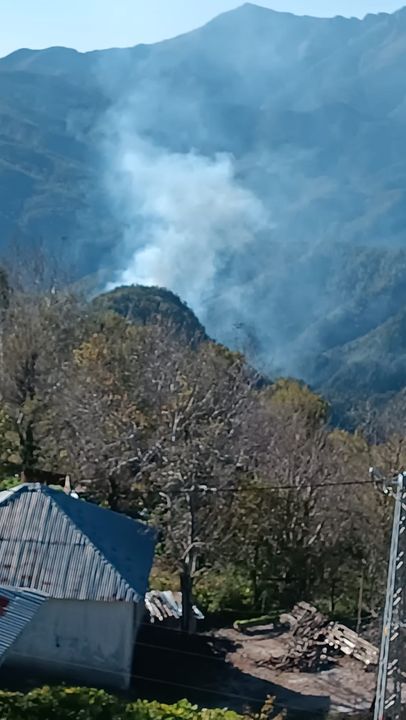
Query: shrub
[(65, 703), (228, 590)]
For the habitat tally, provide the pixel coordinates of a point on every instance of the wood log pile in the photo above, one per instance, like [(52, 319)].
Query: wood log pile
[(307, 647), (315, 643)]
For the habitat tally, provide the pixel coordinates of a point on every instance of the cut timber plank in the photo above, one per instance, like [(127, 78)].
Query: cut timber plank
[(352, 644)]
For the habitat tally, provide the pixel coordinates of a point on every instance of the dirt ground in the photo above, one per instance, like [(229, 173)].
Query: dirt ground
[(346, 688), (222, 669)]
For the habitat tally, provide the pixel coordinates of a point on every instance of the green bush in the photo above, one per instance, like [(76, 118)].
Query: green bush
[(222, 591), (8, 482), (65, 703)]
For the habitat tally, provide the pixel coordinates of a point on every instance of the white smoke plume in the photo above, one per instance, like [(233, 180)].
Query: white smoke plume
[(186, 218)]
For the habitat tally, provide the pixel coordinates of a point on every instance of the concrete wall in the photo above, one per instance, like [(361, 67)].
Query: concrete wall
[(81, 641)]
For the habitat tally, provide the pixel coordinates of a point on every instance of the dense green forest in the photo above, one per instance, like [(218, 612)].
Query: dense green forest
[(258, 499)]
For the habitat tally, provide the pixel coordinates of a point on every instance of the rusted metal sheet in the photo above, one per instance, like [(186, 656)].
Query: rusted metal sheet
[(70, 548), (164, 605), (17, 609)]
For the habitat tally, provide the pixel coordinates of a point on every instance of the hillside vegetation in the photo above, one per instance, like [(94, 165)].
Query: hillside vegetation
[(259, 503), (146, 305), (312, 115)]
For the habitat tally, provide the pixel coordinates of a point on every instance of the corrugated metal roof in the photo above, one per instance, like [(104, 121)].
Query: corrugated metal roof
[(17, 608), (70, 548), (164, 604), (4, 494)]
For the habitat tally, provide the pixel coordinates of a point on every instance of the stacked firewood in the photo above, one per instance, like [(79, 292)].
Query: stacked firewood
[(301, 615), (314, 642), (308, 649)]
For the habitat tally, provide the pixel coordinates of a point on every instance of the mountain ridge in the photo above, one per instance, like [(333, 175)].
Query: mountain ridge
[(293, 117), (244, 8)]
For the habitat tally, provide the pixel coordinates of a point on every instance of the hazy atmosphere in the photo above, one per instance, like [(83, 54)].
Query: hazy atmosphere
[(101, 23), (202, 360), (246, 166)]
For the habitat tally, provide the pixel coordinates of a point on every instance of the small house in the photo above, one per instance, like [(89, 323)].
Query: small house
[(73, 577)]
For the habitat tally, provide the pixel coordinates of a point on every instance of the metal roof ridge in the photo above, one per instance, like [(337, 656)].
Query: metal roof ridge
[(23, 590), (16, 491)]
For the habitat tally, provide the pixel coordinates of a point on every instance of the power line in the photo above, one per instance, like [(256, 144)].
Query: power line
[(157, 681), (186, 686), (266, 488), (185, 653), (277, 612), (193, 653)]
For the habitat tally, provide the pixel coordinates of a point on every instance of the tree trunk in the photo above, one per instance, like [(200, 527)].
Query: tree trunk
[(332, 595), (186, 586), (113, 494), (254, 578), (28, 452), (360, 600)]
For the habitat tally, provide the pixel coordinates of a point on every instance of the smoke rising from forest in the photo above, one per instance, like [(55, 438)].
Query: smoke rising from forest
[(246, 186), (188, 223)]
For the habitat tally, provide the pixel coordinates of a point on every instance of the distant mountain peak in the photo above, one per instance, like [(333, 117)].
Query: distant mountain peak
[(401, 11), (27, 53), (258, 9), (52, 60), (253, 9), (253, 18)]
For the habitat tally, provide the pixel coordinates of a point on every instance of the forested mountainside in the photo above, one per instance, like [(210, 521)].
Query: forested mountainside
[(253, 166), (258, 500)]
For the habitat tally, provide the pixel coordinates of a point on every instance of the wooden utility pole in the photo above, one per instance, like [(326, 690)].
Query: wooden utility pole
[(360, 597)]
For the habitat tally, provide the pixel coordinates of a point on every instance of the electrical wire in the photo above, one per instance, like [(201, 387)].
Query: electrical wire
[(259, 701), (184, 653), (157, 681), (197, 688), (267, 488), (158, 625)]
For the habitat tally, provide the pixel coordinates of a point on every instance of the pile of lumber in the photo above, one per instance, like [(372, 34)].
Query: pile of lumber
[(165, 605), (315, 643), (348, 642)]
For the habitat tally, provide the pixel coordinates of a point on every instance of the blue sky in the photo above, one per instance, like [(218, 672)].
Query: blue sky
[(90, 24)]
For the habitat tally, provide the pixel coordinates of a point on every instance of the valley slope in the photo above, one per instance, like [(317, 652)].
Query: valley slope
[(312, 113)]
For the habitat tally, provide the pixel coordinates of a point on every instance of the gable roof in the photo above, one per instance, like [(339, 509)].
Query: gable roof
[(70, 548)]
